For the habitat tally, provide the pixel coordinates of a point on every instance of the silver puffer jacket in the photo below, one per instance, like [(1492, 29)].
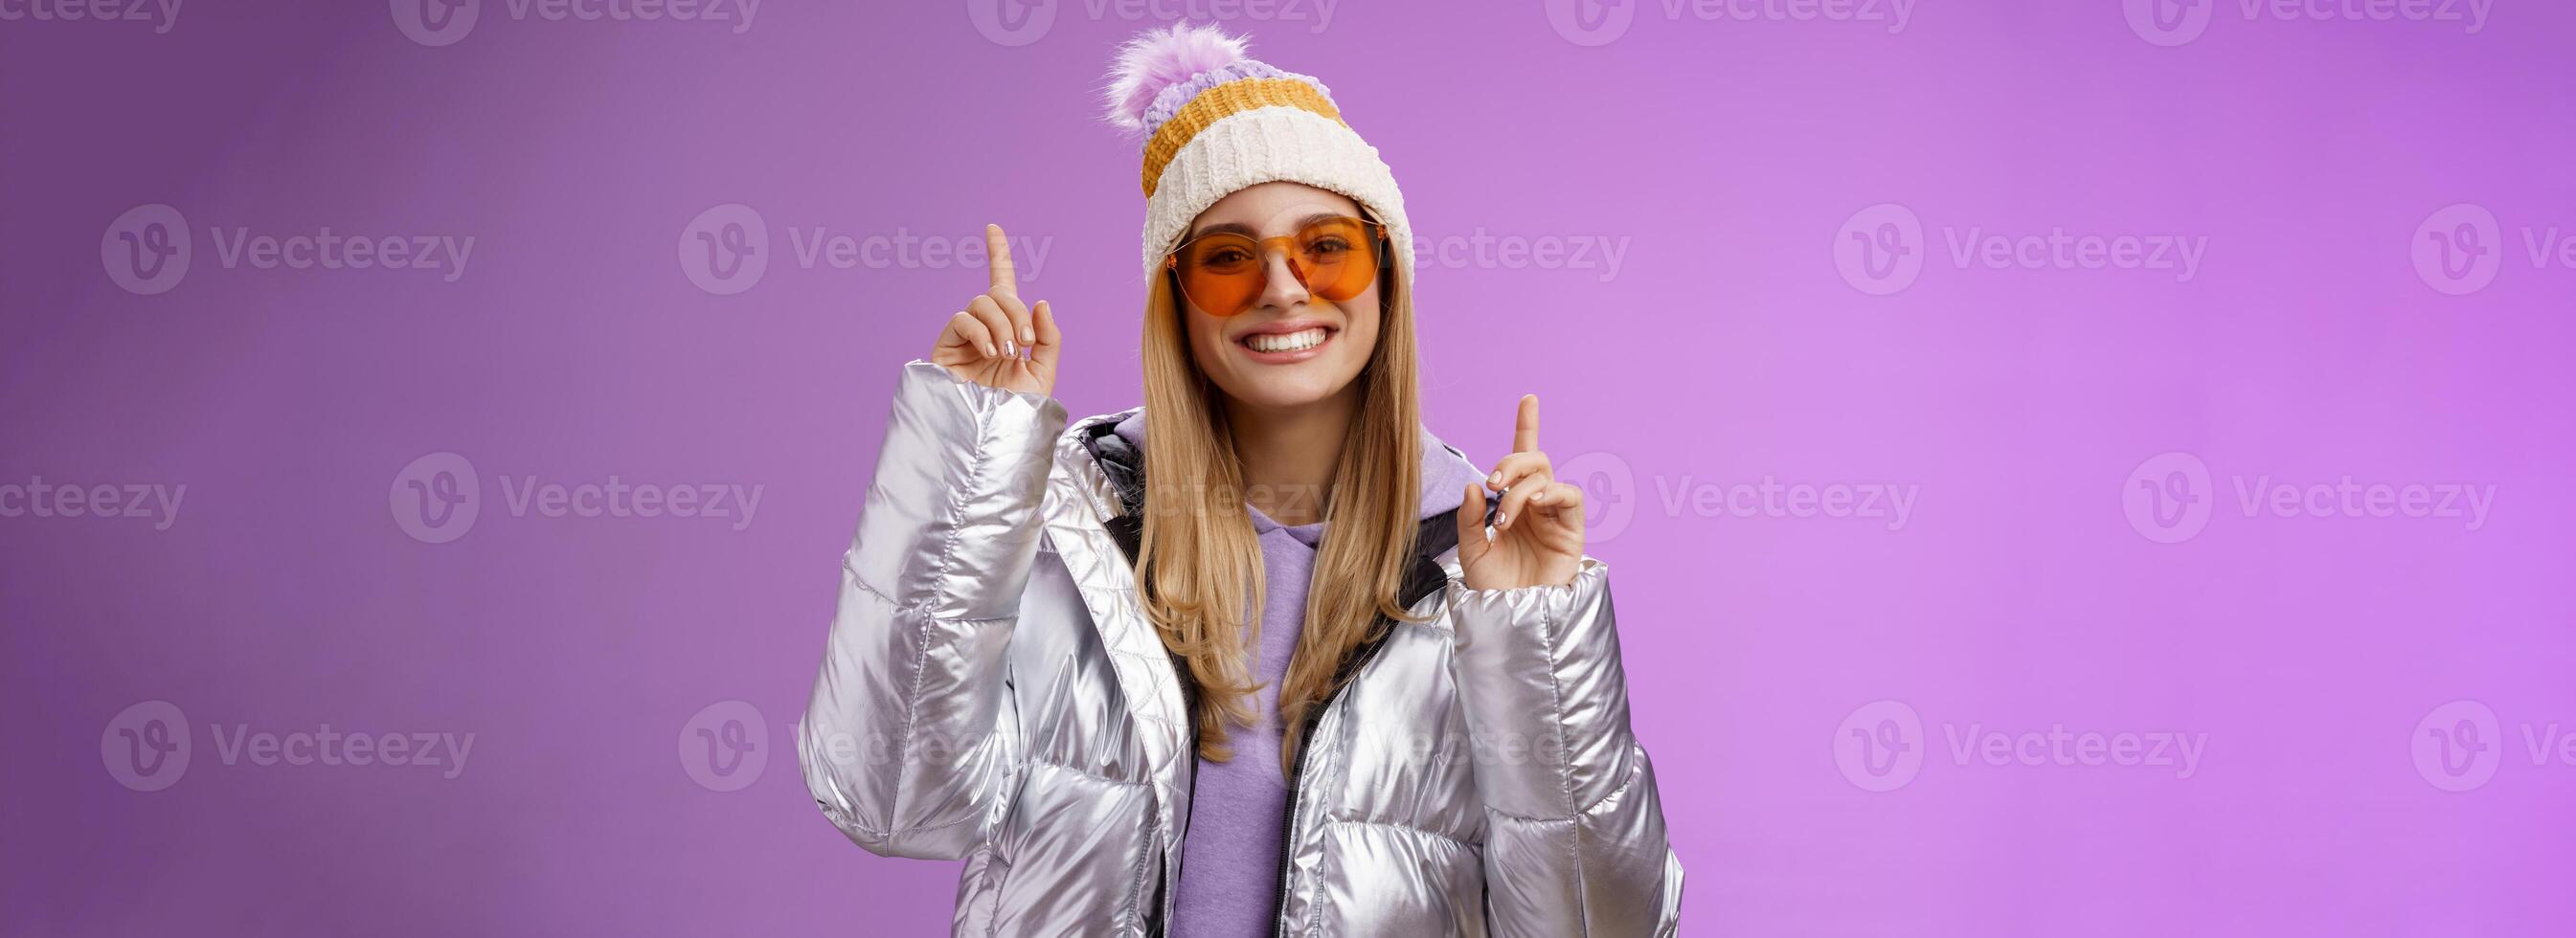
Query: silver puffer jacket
[(992, 691)]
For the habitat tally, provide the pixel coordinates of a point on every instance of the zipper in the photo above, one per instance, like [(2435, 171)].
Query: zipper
[(1297, 771), (1189, 707), (1436, 534)]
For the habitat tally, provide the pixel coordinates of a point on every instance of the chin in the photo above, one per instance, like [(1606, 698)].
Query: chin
[(1287, 386)]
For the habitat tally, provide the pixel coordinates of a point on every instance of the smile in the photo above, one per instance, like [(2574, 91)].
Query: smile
[(1297, 341)]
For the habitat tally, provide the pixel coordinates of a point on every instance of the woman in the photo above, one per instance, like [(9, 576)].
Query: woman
[(1260, 656)]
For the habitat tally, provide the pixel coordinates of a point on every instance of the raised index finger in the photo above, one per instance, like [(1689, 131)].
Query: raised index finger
[(1525, 429), (997, 247)]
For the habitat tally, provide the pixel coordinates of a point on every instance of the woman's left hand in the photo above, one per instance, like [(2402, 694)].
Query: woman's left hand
[(1538, 532)]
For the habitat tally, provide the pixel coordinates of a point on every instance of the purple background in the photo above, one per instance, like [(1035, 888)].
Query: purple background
[(1725, 154)]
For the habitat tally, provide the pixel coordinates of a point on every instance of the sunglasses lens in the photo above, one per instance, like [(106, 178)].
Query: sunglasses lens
[(1338, 257), (1221, 274)]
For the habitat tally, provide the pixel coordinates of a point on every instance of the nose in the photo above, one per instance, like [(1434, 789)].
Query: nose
[(1280, 287)]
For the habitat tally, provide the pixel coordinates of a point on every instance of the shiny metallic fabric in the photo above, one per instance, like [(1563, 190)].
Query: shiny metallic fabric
[(991, 691)]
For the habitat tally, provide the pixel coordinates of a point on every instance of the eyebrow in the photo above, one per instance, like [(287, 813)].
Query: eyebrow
[(1246, 230)]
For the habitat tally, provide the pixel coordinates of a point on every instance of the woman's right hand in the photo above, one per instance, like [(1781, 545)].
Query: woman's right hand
[(985, 343)]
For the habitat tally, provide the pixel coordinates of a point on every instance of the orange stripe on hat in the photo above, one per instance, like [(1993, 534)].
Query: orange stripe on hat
[(1216, 104)]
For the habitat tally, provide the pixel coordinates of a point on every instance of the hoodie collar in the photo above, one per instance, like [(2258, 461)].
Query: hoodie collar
[(1116, 444), (1445, 471)]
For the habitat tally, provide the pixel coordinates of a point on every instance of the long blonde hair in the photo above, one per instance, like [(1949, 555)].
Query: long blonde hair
[(1199, 564)]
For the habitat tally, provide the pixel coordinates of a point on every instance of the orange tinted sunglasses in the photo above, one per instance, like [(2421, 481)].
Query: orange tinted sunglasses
[(1223, 273)]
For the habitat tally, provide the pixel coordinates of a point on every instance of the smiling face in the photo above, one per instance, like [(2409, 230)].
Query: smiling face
[(1290, 348)]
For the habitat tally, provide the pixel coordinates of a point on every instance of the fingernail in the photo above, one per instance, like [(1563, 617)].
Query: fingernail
[(1495, 479), (989, 352), (1028, 336), (1010, 348), (1502, 519)]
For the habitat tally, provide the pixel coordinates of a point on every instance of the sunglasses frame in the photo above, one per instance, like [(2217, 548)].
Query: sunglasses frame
[(1379, 248)]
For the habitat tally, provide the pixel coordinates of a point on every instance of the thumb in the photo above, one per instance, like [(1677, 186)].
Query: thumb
[(1050, 341), (1471, 524)]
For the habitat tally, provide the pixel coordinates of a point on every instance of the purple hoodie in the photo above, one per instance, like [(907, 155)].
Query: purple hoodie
[(1229, 883)]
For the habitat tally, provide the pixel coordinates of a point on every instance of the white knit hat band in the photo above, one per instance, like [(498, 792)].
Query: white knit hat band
[(1273, 144)]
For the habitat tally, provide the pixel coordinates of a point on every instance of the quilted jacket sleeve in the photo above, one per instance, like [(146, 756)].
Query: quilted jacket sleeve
[(910, 734), (1575, 832)]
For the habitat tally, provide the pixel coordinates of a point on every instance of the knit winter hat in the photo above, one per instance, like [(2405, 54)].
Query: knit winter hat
[(1215, 121)]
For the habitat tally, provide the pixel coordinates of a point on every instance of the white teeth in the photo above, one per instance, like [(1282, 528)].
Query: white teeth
[(1286, 342)]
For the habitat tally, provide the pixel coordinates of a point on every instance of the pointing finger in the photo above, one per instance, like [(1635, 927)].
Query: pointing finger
[(998, 247), (1525, 429)]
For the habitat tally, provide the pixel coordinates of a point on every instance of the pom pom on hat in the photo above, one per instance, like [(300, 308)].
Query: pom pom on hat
[(1159, 59)]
